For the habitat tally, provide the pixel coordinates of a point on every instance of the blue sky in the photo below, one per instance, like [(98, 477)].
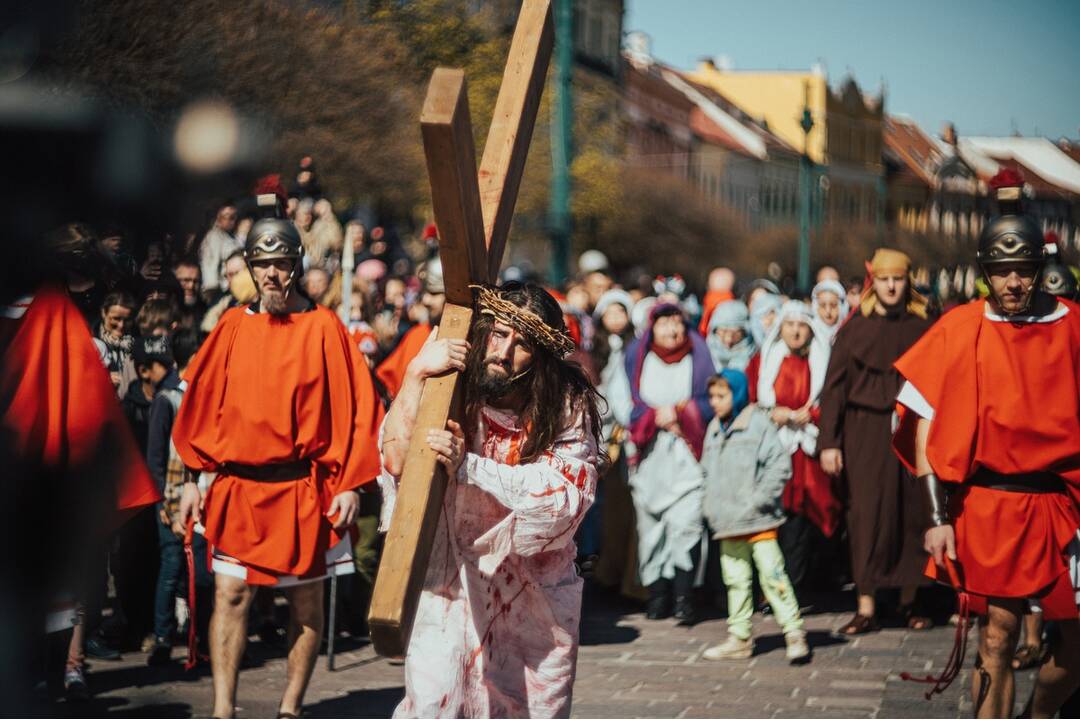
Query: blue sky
[(989, 66)]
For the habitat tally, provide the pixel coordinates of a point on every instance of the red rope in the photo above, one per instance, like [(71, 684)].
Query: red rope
[(192, 639), (955, 663)]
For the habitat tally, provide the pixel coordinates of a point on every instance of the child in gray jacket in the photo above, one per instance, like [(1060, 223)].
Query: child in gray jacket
[(746, 469)]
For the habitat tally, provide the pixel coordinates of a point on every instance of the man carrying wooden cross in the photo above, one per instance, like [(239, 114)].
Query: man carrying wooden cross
[(496, 629)]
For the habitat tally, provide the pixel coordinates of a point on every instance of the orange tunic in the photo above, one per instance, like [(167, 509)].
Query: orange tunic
[(391, 371), (1006, 397), (268, 390), (59, 407), (713, 299)]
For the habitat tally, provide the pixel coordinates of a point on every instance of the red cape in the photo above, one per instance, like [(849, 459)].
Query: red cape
[(391, 371), (1006, 396), (60, 407)]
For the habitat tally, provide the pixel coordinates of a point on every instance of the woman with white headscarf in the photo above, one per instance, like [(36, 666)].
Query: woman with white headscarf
[(763, 311), (729, 340), (829, 301), (786, 377), (608, 529)]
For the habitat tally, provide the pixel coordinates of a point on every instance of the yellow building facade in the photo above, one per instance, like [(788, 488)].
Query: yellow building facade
[(778, 98)]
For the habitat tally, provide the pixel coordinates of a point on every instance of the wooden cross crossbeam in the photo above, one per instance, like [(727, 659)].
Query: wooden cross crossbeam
[(473, 211)]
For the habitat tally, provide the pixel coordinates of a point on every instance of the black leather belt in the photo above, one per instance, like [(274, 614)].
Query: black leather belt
[(1035, 482), (271, 472)]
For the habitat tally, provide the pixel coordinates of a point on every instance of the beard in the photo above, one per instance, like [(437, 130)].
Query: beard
[(273, 301), (494, 385)]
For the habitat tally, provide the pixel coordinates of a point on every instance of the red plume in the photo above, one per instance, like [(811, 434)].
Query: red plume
[(1007, 177), (271, 184)]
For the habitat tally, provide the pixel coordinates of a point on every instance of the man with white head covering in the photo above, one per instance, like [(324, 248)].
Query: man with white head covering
[(786, 377)]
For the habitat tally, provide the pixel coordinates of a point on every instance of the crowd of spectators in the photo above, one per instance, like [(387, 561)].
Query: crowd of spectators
[(150, 302)]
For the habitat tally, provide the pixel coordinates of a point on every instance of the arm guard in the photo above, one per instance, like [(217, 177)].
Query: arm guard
[(937, 498)]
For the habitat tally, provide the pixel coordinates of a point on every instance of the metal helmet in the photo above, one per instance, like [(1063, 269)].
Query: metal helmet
[(1058, 280), (273, 239), (1011, 239), (431, 275)]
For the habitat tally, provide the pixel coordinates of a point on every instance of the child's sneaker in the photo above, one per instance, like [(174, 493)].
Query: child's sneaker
[(798, 651), (731, 649)]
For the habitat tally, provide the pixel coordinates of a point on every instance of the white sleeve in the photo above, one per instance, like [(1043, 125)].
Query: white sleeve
[(388, 485), (911, 398), (547, 498), (210, 262)]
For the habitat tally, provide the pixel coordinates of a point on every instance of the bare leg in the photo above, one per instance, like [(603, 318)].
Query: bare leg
[(305, 634), (1033, 628), (993, 688), (228, 637), (76, 654), (866, 605), (1059, 677)]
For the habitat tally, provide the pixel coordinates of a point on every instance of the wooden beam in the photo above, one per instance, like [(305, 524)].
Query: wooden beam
[(455, 199), (512, 125), (472, 237), (416, 513), (455, 195)]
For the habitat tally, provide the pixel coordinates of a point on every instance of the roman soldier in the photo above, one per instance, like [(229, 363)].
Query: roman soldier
[(281, 407), (990, 413)]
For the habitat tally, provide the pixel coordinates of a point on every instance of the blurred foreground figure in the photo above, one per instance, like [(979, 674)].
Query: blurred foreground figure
[(990, 426), (496, 628), (71, 454), (281, 407)]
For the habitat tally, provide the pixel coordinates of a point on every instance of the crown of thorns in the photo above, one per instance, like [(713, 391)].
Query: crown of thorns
[(557, 340)]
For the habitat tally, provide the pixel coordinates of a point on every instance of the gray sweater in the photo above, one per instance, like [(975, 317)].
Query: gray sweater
[(746, 469)]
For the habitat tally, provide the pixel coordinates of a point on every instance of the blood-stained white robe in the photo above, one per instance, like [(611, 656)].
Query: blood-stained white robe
[(496, 629)]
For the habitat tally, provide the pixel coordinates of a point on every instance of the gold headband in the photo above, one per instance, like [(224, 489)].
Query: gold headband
[(556, 340), (886, 260)]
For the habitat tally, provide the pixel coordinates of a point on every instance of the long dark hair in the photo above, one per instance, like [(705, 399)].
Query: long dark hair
[(551, 382), (601, 350)]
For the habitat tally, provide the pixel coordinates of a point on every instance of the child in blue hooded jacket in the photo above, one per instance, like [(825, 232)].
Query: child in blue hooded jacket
[(746, 468)]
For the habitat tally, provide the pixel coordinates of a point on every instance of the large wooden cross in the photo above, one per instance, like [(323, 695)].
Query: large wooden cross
[(473, 213)]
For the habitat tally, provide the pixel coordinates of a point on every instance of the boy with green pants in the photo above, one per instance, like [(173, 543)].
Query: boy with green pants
[(746, 469)]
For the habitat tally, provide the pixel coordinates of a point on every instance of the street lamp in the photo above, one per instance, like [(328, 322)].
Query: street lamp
[(806, 168)]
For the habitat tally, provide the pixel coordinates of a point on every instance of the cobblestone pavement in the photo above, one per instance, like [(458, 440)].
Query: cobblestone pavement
[(628, 667)]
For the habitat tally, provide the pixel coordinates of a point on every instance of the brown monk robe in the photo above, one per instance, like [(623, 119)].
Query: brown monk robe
[(885, 510)]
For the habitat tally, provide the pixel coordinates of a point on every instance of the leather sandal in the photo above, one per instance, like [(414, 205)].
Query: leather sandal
[(860, 625), (913, 620), (1028, 656)]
